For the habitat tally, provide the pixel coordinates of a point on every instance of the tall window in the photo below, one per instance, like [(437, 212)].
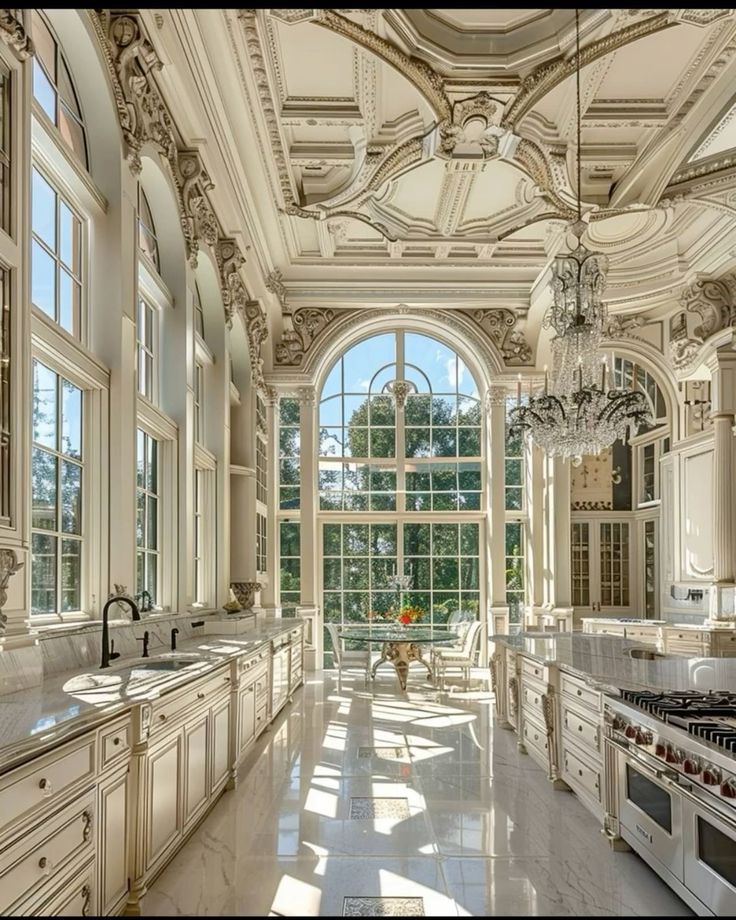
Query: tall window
[(198, 402), (290, 570), (289, 501), (56, 256), (261, 542), (516, 518), (147, 344), (199, 581), (5, 402), (147, 240), (261, 483), (4, 148), (57, 476), (53, 88), (515, 570), (400, 480), (198, 313), (147, 518)]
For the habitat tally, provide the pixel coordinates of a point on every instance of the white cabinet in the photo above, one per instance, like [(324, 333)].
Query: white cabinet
[(246, 730), (112, 857), (162, 785), (220, 749), (601, 556), (196, 789)]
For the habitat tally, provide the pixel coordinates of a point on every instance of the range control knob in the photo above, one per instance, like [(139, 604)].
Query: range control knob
[(643, 736), (711, 776), (660, 749), (692, 766), (673, 755), (728, 789), (630, 731)]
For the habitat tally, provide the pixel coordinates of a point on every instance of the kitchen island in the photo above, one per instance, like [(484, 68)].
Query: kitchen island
[(608, 719)]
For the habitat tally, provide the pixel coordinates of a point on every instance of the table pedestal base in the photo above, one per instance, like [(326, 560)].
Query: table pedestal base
[(399, 654)]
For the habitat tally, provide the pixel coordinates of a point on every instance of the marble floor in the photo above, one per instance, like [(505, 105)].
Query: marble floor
[(358, 794)]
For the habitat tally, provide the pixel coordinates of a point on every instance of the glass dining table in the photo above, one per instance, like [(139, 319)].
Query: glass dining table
[(400, 645)]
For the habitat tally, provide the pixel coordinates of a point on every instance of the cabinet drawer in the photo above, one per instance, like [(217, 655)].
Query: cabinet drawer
[(533, 670), (259, 673), (261, 719), (535, 736), (688, 635), (579, 773), (531, 699), (688, 649), (173, 707), (38, 786), (578, 690), (580, 730), (34, 864), (75, 898), (261, 688), (114, 743), (725, 643), (642, 634), (251, 662)]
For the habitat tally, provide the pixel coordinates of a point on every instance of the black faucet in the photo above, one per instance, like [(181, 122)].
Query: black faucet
[(174, 634), (146, 600), (144, 640), (108, 653)]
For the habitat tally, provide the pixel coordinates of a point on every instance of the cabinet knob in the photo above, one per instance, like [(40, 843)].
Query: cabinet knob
[(45, 787), (162, 717), (200, 695), (580, 728), (580, 692), (44, 865), (116, 741)]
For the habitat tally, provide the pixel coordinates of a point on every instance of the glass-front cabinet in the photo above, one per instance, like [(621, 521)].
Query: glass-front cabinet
[(601, 565)]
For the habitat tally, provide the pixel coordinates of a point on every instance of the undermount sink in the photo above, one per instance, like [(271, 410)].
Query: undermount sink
[(647, 654), (92, 683)]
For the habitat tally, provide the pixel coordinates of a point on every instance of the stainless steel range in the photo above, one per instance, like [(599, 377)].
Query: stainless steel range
[(673, 790)]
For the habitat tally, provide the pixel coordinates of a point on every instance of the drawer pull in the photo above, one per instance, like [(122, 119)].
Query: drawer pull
[(116, 741), (162, 717), (200, 695), (86, 897), (580, 728), (580, 692), (44, 865), (87, 828), (580, 772), (45, 787)]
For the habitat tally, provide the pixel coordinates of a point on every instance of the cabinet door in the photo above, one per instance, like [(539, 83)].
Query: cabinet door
[(220, 743), (246, 717), (614, 554), (163, 813), (112, 811), (196, 791)]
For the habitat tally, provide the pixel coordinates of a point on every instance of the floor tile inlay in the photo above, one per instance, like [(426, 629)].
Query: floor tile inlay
[(383, 907), (362, 807)]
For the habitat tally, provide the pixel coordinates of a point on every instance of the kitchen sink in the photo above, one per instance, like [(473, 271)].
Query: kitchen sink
[(647, 654)]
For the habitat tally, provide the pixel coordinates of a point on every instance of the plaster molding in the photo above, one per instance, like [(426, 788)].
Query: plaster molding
[(544, 78), (9, 565), (712, 300), (501, 328), (13, 33), (145, 118)]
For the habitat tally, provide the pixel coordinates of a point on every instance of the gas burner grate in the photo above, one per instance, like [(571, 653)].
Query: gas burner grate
[(710, 716)]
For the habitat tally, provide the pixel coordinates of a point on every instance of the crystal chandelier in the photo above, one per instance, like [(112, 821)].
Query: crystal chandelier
[(578, 415)]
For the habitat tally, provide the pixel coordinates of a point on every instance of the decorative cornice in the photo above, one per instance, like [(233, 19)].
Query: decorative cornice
[(712, 301), (229, 261), (145, 118), (13, 33), (307, 324)]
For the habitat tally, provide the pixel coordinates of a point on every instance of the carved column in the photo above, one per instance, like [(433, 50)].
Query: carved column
[(723, 396), (309, 505), (270, 588), (496, 510), (9, 565)]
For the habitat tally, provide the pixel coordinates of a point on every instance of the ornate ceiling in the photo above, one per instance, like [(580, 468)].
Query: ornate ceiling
[(425, 157)]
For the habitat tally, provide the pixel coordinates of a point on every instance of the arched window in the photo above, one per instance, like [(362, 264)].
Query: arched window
[(53, 88), (147, 241), (627, 375), (400, 480)]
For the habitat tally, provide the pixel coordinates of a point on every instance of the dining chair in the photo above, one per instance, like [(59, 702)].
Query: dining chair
[(462, 658), (458, 622), (348, 658)]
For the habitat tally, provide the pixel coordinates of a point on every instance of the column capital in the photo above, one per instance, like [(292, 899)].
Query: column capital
[(306, 395)]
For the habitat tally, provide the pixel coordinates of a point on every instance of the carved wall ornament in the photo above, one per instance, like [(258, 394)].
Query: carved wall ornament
[(712, 301), (513, 696), (400, 389), (256, 327), (290, 17), (229, 261), (701, 17), (9, 565), (622, 326), (144, 117), (13, 33), (499, 326), (307, 324), (468, 126)]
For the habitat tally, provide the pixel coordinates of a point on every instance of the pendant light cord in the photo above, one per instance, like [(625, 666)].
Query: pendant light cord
[(577, 72)]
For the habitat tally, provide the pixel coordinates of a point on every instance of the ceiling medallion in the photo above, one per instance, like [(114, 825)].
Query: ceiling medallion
[(577, 415)]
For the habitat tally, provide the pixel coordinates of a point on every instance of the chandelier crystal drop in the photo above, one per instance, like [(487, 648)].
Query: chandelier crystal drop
[(578, 414)]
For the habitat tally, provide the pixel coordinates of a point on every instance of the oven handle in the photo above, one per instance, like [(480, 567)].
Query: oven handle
[(674, 781)]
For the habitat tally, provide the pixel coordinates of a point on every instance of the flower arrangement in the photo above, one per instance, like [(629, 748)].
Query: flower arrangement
[(409, 613)]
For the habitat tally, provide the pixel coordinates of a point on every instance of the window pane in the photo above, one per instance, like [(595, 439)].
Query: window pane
[(71, 419), (71, 574), (43, 488), (43, 280), (152, 575), (44, 44), (140, 520), (43, 211), (69, 238), (43, 91), (152, 521), (71, 497), (44, 405), (152, 464), (43, 573)]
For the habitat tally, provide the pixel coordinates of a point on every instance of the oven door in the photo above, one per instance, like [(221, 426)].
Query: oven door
[(650, 809), (710, 857)]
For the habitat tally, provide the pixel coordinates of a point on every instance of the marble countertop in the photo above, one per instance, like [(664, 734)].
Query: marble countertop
[(604, 662), (704, 626), (37, 719)]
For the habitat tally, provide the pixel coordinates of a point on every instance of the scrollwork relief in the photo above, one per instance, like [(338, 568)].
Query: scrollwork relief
[(13, 33), (712, 301), (9, 565), (307, 324), (499, 326)]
